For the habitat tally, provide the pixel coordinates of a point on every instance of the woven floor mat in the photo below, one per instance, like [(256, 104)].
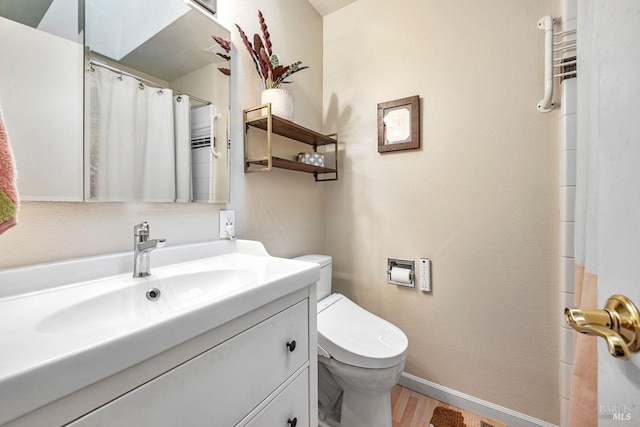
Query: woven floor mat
[(445, 417)]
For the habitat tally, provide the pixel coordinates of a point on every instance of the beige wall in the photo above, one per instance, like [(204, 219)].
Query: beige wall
[(479, 198), (282, 209)]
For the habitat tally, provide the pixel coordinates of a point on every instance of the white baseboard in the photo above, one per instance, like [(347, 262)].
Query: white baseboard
[(470, 403)]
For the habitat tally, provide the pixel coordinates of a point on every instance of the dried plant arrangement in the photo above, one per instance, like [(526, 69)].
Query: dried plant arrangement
[(272, 74), (226, 46)]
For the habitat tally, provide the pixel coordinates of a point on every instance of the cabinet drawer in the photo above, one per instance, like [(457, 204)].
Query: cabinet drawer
[(220, 386), (292, 404)]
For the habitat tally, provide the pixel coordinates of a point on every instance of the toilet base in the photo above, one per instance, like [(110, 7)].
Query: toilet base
[(366, 399), (325, 421), (359, 410)]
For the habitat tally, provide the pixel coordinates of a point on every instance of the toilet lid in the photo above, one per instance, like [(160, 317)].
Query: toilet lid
[(352, 335)]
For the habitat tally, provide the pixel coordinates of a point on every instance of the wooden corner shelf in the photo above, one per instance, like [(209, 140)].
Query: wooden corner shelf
[(272, 124)]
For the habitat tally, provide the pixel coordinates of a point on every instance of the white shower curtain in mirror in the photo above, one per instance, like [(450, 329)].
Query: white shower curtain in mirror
[(183, 147), (132, 152)]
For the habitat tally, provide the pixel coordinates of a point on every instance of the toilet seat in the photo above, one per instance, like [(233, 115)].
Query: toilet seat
[(352, 335)]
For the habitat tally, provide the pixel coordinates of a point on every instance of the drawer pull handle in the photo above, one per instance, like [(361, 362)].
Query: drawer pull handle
[(292, 422), (292, 346)]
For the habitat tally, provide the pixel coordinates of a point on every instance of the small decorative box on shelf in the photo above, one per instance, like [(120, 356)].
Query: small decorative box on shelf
[(315, 159), (279, 126)]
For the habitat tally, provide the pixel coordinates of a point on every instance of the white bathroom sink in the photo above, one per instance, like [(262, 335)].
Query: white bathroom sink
[(184, 291), (77, 333), (127, 305)]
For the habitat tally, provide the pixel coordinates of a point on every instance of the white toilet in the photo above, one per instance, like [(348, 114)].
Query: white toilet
[(363, 353)]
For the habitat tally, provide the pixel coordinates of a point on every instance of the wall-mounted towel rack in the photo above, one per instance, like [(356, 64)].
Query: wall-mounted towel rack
[(560, 59)]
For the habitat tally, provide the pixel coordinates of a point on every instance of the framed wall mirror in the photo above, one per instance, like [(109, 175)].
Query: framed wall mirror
[(157, 107), (114, 100)]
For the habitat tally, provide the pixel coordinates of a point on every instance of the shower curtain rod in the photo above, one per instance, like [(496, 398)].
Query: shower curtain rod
[(146, 81)]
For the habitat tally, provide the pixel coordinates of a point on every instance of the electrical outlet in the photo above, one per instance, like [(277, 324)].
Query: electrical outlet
[(425, 274), (228, 224)]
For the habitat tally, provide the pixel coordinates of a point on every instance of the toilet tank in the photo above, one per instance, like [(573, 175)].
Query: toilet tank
[(324, 284)]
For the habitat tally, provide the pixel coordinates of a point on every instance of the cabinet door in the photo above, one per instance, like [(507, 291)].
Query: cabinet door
[(291, 407), (222, 385)]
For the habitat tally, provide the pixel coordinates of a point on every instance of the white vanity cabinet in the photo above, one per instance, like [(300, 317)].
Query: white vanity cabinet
[(222, 386), (293, 396), (247, 372), (230, 342)]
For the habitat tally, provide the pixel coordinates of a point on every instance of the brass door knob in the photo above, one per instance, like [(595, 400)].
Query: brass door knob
[(618, 323)]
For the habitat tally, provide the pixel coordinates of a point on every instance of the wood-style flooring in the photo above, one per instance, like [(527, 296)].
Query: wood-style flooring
[(411, 409)]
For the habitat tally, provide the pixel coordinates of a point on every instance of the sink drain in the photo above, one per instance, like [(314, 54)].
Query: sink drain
[(153, 294)]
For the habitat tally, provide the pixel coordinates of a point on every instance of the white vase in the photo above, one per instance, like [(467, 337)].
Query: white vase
[(281, 102)]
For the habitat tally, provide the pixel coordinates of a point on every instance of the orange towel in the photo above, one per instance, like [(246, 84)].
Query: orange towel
[(8, 190)]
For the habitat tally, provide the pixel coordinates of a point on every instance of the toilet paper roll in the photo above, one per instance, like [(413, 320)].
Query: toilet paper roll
[(401, 275)]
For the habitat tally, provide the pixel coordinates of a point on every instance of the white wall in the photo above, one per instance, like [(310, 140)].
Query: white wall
[(480, 198), (43, 118), (567, 182), (280, 208)]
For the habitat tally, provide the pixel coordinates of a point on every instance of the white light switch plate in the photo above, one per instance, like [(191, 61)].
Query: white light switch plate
[(425, 274), (227, 224)]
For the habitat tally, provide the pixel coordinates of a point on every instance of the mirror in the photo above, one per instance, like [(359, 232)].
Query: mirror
[(41, 95), (157, 107), (70, 140)]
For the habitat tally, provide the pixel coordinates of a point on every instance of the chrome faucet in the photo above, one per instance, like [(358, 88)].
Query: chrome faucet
[(141, 248)]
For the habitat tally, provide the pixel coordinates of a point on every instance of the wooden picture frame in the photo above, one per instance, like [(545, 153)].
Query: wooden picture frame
[(399, 125)]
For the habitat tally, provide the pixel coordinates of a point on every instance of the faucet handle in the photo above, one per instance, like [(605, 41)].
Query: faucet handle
[(598, 323), (141, 229), (618, 323)]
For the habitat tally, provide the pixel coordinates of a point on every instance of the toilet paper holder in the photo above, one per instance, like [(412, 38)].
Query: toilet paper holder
[(394, 264)]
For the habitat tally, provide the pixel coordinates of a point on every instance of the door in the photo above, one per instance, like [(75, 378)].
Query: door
[(609, 115)]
